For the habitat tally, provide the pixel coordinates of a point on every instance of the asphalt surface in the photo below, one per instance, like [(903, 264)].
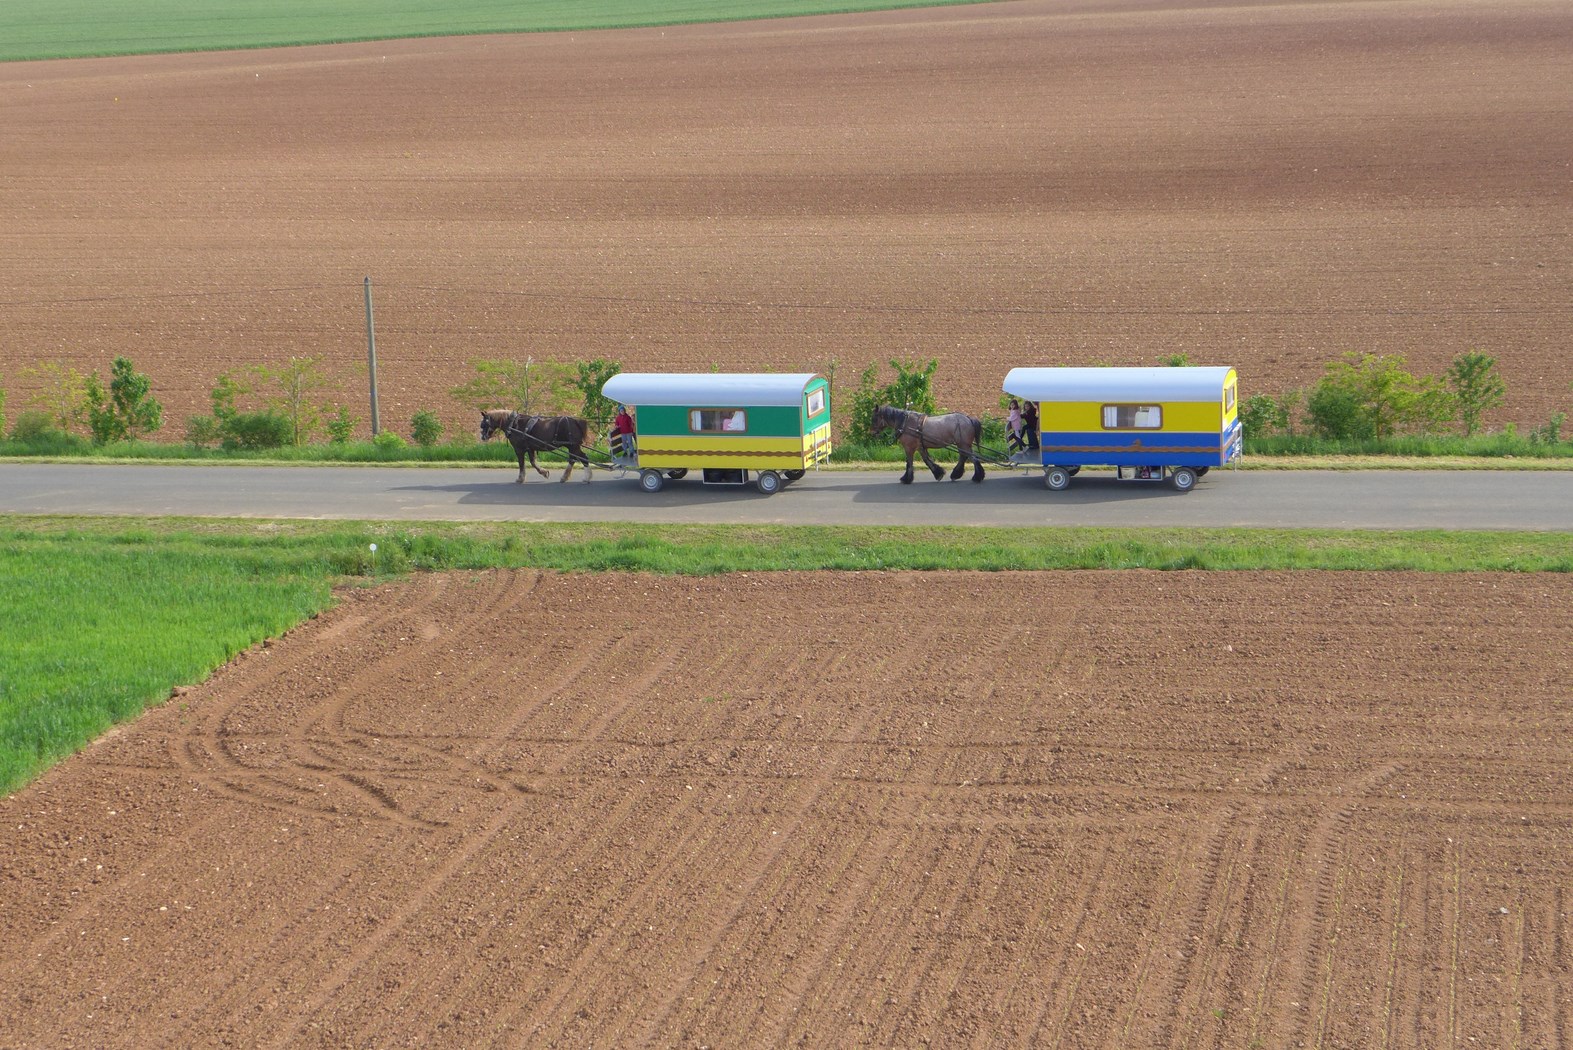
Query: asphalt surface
[(1367, 499)]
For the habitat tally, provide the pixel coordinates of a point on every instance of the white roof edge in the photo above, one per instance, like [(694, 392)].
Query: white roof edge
[(717, 389), (1158, 383)]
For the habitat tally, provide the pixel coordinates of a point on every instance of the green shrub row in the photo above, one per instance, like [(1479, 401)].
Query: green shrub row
[(1364, 404), (1370, 400)]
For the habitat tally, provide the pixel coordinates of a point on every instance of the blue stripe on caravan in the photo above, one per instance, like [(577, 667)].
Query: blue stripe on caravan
[(1131, 448)]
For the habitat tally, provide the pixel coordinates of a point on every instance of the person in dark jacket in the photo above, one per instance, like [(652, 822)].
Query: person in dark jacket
[(1029, 422)]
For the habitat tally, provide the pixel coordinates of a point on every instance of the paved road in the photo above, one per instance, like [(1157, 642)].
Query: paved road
[(1539, 500)]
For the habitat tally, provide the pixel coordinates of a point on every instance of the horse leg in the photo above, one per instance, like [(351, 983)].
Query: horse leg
[(537, 466), (977, 468), (520, 479), (906, 479), (961, 463), (934, 468), (575, 454)]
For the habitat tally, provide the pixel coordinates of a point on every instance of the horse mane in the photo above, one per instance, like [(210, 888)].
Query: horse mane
[(896, 417)]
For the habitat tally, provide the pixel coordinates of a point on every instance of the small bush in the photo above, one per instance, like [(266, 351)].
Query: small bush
[(388, 441), (1338, 413), (125, 411), (1476, 387), (203, 431), (425, 428), (341, 426), (1551, 433), (1263, 414), (257, 430), (1373, 395), (912, 389), (38, 435)]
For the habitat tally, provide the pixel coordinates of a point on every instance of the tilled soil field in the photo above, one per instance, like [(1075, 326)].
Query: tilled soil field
[(1037, 182), (1051, 809)]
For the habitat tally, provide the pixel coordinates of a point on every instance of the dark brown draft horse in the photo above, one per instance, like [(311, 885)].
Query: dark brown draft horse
[(919, 433), (531, 434)]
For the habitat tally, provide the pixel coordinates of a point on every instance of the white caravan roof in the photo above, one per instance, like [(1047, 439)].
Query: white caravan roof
[(719, 389), (1117, 384)]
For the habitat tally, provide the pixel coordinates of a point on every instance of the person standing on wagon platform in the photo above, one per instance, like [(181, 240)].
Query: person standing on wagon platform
[(623, 430), (1029, 422)]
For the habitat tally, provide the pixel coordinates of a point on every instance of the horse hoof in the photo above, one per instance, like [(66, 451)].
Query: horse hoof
[(906, 479)]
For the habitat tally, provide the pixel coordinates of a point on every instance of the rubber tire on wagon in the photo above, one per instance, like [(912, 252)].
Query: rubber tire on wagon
[(679, 472), (1058, 479), (793, 475), (651, 480), (1182, 479), (768, 482)]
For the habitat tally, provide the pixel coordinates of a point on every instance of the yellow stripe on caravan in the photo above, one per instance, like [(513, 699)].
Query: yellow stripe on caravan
[(1183, 416), (730, 459), (724, 444)]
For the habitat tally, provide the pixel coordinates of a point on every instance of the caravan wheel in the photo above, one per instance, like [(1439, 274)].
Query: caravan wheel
[(651, 480), (1182, 479), (768, 482), (1057, 479)]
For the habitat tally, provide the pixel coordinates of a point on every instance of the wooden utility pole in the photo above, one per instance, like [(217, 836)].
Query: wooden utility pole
[(371, 359)]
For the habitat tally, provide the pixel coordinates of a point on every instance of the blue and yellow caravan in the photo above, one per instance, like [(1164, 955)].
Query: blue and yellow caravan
[(726, 424), (1150, 424)]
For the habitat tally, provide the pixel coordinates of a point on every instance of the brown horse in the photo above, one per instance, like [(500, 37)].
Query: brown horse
[(531, 434), (919, 433)]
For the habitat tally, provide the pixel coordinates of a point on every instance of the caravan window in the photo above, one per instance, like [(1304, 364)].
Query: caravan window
[(718, 420), (816, 402), (1132, 417), (1228, 399)]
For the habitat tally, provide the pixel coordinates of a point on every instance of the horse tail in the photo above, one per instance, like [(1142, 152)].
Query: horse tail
[(977, 431)]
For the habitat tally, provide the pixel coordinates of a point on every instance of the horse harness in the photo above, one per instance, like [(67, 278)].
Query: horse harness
[(906, 419), (512, 431)]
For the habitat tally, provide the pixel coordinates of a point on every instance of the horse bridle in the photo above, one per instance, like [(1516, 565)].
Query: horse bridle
[(906, 418)]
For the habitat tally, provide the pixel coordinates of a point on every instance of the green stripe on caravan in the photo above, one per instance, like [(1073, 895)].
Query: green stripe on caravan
[(763, 421)]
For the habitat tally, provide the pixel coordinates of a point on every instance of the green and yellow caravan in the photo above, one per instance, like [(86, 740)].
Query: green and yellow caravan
[(1150, 424), (728, 425)]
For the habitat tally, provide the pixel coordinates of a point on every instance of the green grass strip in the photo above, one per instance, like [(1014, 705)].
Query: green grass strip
[(82, 28), (95, 626), (100, 618)]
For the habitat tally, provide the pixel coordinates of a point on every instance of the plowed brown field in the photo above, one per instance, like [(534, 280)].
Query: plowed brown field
[(1050, 809), (1038, 182)]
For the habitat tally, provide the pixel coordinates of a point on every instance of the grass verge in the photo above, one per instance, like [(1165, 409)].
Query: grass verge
[(103, 618)]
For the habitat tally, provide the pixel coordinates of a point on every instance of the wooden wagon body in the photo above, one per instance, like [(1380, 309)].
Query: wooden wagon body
[(729, 426)]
